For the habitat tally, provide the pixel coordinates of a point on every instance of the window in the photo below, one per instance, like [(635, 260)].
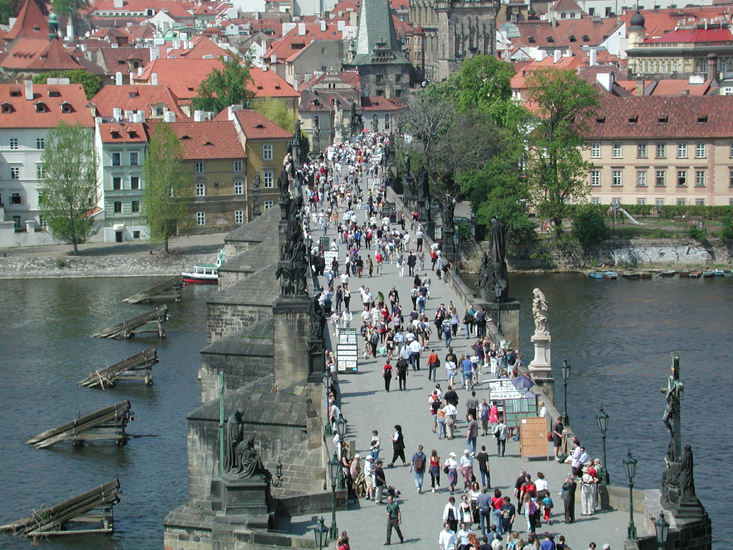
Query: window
[(40, 143), (316, 121), (40, 171), (13, 143), (42, 223), (640, 201), (700, 151), (15, 198), (134, 182), (595, 150), (268, 179), (397, 78), (159, 111), (237, 166), (595, 178), (641, 150), (200, 189), (118, 207), (116, 184), (681, 202), (595, 200), (268, 204), (681, 150), (116, 159), (661, 151), (681, 178), (239, 217), (238, 188), (699, 202), (135, 207), (15, 173), (200, 218), (641, 178), (699, 178), (730, 178), (617, 151), (134, 159), (616, 202), (660, 182), (267, 151), (378, 79), (617, 178), (135, 234), (198, 167)]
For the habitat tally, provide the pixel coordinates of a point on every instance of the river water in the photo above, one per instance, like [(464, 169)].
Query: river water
[(47, 348), (617, 336)]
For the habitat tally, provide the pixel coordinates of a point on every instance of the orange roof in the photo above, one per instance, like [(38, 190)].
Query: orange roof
[(138, 8), (382, 104), (56, 98), (270, 84), (565, 63), (202, 46), (135, 98), (208, 140), (669, 87), (123, 133), (293, 42), (30, 23), (573, 33), (660, 22), (255, 125), (182, 76), (36, 54)]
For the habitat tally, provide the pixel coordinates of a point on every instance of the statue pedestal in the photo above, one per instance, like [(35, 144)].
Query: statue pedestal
[(507, 313), (316, 360), (541, 365), (291, 323), (430, 229), (422, 210), (237, 497), (689, 509)]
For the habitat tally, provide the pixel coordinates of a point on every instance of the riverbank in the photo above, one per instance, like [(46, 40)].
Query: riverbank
[(130, 259)]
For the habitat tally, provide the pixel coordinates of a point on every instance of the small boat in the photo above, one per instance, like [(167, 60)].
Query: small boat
[(610, 275), (695, 274), (708, 273), (719, 272), (670, 273), (595, 275), (204, 274), (631, 275), (645, 274)]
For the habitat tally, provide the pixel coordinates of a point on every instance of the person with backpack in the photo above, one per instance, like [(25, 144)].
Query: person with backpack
[(433, 364), (402, 373), (418, 465), (387, 375)]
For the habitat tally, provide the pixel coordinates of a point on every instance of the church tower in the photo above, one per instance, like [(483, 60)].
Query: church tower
[(465, 30)]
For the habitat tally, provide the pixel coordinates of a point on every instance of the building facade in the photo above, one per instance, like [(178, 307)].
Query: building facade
[(662, 151)]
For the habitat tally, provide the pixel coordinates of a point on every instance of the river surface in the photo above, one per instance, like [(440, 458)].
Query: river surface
[(616, 335), (46, 349)]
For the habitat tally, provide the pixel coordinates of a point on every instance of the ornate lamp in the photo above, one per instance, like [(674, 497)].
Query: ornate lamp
[(341, 427), (321, 533), (630, 469), (602, 421), (333, 472), (565, 375), (497, 293), (662, 528)]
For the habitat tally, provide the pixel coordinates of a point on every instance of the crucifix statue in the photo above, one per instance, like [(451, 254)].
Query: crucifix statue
[(671, 417)]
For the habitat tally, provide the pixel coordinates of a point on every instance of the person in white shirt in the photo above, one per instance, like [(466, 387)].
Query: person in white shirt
[(447, 539)]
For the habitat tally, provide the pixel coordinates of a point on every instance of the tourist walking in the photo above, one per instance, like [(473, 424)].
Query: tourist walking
[(471, 434), (387, 375), (380, 482), (483, 465), (418, 464), (501, 431), (450, 513), (467, 469), (433, 364), (451, 468), (434, 470), (398, 446), (447, 538), (394, 520)]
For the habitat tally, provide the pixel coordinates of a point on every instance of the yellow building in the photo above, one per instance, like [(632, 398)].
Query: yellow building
[(662, 151)]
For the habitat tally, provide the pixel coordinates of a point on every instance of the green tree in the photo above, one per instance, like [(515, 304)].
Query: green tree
[(276, 111), (69, 7), (589, 226), (69, 184), (557, 171), (485, 84), (91, 83), (226, 86), (727, 226), (6, 12), (167, 193)]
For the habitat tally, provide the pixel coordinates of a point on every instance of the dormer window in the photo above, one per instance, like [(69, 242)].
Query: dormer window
[(585, 38), (134, 94), (14, 93), (54, 93), (41, 107), (115, 135), (7, 107), (66, 108), (550, 40)]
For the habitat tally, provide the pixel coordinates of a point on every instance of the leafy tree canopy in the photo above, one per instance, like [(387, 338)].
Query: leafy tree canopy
[(69, 7), (485, 83), (90, 82), (226, 86), (276, 111)]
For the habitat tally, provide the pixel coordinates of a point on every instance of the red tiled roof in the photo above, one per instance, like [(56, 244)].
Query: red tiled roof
[(112, 31), (201, 46), (31, 23), (24, 113), (123, 133), (292, 42), (208, 140), (568, 32), (135, 98), (270, 84), (133, 7), (567, 5), (659, 22), (693, 36), (565, 63), (257, 126), (36, 54), (182, 76), (689, 117), (669, 87), (382, 104), (115, 59)]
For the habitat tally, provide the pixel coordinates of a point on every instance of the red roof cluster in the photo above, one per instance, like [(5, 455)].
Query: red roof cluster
[(208, 140), (123, 133), (51, 104), (135, 98)]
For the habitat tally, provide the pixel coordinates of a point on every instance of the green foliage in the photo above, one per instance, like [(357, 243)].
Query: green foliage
[(167, 193), (91, 83), (276, 111), (463, 230), (589, 226), (557, 170), (485, 84), (226, 86), (70, 184), (727, 230), (69, 7), (6, 12), (696, 232)]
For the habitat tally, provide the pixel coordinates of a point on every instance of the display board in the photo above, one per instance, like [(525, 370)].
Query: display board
[(347, 351), (504, 389), (329, 255), (533, 438)]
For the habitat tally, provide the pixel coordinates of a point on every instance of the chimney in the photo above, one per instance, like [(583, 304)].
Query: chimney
[(140, 71), (639, 87), (323, 26), (199, 116), (129, 114), (273, 58), (141, 116), (132, 77), (154, 79), (556, 55), (117, 113), (118, 78), (605, 80), (28, 90), (712, 66), (593, 54), (118, 4), (169, 116), (154, 53), (301, 29), (231, 110)]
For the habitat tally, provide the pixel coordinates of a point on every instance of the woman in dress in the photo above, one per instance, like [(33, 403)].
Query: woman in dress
[(464, 509), (473, 500), (450, 514), (452, 466)]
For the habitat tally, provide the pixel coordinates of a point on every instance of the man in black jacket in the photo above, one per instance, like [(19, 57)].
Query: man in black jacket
[(568, 499)]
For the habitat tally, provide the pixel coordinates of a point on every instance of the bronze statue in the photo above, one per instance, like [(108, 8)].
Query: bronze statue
[(249, 462), (687, 479), (449, 207), (284, 185), (493, 267), (233, 438), (318, 318), (407, 164), (423, 190)]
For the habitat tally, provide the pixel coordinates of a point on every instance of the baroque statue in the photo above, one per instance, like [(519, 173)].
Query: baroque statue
[(539, 311), (317, 318), (256, 181), (493, 267)]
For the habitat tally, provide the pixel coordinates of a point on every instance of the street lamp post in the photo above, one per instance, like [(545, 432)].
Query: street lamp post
[(602, 420), (321, 533), (341, 431), (333, 472), (497, 292), (327, 429), (662, 530), (565, 375), (630, 470)]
